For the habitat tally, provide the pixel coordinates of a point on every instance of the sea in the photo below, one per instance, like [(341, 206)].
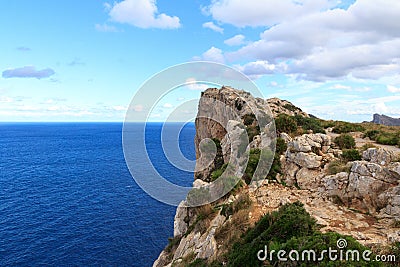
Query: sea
[(67, 197)]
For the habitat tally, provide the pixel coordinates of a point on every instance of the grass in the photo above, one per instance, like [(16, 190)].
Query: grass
[(337, 166)]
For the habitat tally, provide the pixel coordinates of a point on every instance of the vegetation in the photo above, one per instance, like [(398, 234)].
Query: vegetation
[(351, 155), (337, 166), (242, 202), (385, 135), (285, 124), (289, 228), (291, 107), (347, 127), (345, 141), (312, 124)]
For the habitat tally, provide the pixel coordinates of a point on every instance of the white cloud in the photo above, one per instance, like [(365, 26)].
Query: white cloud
[(213, 54), (323, 44), (393, 89), (212, 26), (193, 84), (380, 107), (142, 14), (257, 68), (105, 28), (263, 12), (5, 99), (235, 40), (119, 108)]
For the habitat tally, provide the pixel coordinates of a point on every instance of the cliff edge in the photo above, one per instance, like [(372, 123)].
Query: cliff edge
[(361, 199)]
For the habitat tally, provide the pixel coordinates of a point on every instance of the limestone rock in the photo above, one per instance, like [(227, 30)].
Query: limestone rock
[(180, 220), (307, 160), (380, 156)]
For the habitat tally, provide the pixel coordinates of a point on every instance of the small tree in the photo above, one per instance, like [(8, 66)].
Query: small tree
[(345, 141)]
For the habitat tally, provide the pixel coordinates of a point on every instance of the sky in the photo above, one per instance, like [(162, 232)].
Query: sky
[(84, 60)]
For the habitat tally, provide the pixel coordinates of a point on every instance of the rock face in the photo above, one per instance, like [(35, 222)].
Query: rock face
[(220, 109), (371, 186), (385, 120), (305, 157), (279, 106), (225, 115)]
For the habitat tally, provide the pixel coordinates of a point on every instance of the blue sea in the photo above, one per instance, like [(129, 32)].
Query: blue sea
[(67, 197)]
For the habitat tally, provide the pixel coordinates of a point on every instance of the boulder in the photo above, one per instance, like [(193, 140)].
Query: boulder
[(380, 156)]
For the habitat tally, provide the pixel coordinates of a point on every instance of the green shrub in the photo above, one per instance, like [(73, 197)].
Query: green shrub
[(218, 172), (289, 228), (198, 263), (372, 134), (281, 146), (309, 124), (252, 131), (347, 127), (291, 107), (337, 166), (254, 158), (345, 141), (351, 155), (392, 139), (285, 124)]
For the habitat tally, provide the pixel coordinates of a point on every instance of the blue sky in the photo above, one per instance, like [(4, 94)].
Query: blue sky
[(84, 60)]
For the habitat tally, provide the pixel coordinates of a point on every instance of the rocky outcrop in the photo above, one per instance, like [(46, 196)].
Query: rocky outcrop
[(279, 106), (226, 118), (385, 120), (371, 185), (223, 108), (305, 157)]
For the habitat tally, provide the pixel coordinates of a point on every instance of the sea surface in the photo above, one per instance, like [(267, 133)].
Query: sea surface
[(67, 197)]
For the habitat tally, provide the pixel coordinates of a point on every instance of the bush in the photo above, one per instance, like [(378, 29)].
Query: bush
[(291, 107), (347, 127), (309, 124), (351, 155), (372, 134), (254, 158), (289, 228), (392, 139), (345, 141), (281, 146), (337, 166), (285, 124)]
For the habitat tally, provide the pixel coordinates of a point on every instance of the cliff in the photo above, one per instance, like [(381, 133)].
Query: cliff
[(361, 200), (385, 120)]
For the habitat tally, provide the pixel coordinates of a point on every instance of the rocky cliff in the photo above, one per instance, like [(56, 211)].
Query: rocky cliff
[(385, 120), (362, 200)]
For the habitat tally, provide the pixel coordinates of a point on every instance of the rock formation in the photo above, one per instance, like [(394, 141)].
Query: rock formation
[(385, 120), (363, 201)]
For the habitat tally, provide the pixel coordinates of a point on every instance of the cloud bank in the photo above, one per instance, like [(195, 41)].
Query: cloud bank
[(28, 72)]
